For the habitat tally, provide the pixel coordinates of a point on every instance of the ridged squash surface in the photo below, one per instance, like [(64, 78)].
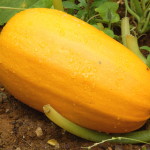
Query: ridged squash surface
[(50, 57)]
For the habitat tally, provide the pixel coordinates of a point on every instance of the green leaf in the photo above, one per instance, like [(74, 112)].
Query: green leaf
[(108, 12), (71, 1), (81, 14), (42, 4), (96, 26), (137, 7), (9, 8), (109, 32), (145, 48), (100, 26), (70, 5), (82, 3), (97, 3)]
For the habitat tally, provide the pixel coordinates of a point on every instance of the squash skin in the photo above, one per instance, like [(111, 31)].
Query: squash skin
[(50, 57)]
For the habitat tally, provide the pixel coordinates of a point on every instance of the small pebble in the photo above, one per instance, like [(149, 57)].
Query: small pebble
[(63, 131), (53, 142), (18, 148), (7, 110), (109, 148), (39, 131)]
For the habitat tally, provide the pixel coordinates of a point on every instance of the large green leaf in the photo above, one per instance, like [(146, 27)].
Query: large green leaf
[(82, 3), (9, 8), (108, 12), (81, 14), (70, 5)]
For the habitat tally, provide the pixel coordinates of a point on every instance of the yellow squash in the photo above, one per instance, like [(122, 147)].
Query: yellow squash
[(50, 57)]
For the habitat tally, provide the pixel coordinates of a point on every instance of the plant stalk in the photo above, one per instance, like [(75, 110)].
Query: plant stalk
[(58, 5), (147, 22), (146, 12), (125, 29), (138, 8), (143, 4), (132, 44), (12, 8), (69, 126), (131, 12), (128, 138), (130, 41)]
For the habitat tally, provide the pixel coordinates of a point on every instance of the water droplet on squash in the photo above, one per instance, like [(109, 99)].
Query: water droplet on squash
[(118, 118), (74, 104), (115, 127), (85, 75)]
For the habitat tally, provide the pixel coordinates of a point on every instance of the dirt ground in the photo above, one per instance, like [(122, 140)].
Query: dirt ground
[(18, 125)]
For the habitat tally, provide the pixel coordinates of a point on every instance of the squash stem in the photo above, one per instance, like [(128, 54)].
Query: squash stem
[(130, 41), (125, 29), (132, 44), (91, 135), (69, 126), (58, 5)]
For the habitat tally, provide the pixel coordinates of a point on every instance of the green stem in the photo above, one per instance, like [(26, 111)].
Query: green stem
[(139, 27), (73, 128), (146, 12), (109, 25), (132, 6), (131, 12), (144, 29), (125, 29), (128, 138), (92, 18), (132, 44), (143, 4), (12, 8), (100, 20), (138, 8), (113, 139), (147, 5), (88, 9), (130, 41), (58, 5)]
